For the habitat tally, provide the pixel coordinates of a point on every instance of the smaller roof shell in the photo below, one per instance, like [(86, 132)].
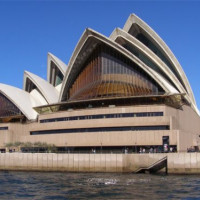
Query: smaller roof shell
[(60, 64), (46, 89), (21, 99)]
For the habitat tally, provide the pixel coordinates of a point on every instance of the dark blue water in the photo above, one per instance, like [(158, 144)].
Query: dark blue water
[(50, 185)]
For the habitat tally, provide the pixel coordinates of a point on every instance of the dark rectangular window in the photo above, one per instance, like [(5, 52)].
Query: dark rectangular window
[(3, 128), (101, 129), (116, 115)]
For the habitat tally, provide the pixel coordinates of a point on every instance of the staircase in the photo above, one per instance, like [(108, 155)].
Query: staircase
[(155, 167)]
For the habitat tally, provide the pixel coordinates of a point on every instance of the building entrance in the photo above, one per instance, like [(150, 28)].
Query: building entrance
[(165, 140)]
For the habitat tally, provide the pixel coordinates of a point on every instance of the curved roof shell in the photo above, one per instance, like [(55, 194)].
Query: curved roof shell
[(62, 67), (168, 75), (49, 92), (119, 34), (21, 99), (123, 38), (134, 20), (87, 43)]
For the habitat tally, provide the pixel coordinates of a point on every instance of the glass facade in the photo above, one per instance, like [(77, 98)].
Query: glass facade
[(56, 76), (7, 108), (102, 129), (107, 73), (103, 116)]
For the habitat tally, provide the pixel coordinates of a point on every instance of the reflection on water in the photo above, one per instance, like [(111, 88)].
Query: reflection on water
[(50, 185)]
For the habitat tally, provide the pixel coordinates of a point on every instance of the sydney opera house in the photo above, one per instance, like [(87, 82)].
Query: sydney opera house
[(126, 91)]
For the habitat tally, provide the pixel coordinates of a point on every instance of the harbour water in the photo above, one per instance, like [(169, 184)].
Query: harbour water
[(51, 185)]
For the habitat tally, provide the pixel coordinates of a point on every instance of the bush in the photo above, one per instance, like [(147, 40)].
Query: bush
[(32, 146)]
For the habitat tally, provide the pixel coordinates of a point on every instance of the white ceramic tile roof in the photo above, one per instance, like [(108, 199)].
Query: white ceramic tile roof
[(21, 99), (133, 19), (60, 64), (46, 89)]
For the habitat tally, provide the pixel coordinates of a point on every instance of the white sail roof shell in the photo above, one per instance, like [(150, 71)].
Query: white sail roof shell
[(21, 99), (89, 33), (153, 57), (60, 64), (46, 89), (133, 19)]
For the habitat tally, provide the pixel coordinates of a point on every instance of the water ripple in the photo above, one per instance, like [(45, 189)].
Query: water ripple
[(60, 186)]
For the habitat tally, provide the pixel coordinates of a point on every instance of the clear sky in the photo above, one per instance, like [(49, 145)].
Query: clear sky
[(31, 29)]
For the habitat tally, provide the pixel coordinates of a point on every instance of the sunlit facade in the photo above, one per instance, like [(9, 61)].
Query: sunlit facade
[(126, 91)]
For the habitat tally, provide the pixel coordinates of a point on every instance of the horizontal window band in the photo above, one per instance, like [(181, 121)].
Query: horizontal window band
[(3, 128), (103, 116), (101, 129)]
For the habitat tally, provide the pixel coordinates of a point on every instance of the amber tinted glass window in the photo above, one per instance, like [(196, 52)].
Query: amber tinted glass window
[(108, 73), (7, 108)]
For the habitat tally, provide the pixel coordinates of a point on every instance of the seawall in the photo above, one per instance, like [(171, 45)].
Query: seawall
[(178, 163)]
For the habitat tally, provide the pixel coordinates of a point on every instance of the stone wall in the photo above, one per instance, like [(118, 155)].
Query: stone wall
[(184, 163)]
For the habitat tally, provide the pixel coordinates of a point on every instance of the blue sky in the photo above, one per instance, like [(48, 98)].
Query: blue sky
[(30, 29)]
